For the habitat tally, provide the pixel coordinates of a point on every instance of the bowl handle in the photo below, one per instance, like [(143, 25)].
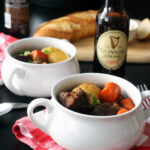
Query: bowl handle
[(43, 125), (20, 73)]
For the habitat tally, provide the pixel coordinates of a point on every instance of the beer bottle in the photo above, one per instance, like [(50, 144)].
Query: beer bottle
[(112, 29), (16, 18)]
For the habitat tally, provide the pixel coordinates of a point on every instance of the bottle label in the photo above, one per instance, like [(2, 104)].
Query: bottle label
[(111, 49), (7, 17), (17, 16)]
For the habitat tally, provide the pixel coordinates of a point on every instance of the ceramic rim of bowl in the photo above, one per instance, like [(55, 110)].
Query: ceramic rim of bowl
[(41, 65), (92, 116)]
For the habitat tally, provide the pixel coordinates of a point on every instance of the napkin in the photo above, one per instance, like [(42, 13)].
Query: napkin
[(5, 40), (1, 82), (28, 133)]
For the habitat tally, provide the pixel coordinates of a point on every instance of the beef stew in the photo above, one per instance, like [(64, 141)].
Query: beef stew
[(88, 98)]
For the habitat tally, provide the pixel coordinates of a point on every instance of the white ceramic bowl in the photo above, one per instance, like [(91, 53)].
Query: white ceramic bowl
[(132, 29), (36, 80), (75, 131)]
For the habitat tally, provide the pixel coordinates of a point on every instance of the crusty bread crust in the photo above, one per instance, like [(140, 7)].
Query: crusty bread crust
[(143, 31), (71, 27)]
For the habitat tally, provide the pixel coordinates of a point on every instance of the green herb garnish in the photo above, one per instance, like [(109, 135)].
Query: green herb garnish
[(91, 93), (95, 100)]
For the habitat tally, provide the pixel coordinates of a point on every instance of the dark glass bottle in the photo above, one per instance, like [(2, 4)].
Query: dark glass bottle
[(112, 29), (16, 18)]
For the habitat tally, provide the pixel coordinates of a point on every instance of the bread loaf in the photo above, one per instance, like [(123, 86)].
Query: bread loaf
[(143, 31), (71, 27)]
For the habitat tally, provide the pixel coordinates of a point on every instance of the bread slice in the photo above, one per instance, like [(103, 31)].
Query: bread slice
[(71, 27), (143, 31)]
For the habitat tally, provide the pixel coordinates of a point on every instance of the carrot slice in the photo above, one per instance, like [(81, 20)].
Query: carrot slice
[(127, 103), (38, 55), (111, 92), (122, 110)]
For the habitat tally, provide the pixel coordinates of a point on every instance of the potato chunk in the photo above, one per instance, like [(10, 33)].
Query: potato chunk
[(54, 54), (91, 89)]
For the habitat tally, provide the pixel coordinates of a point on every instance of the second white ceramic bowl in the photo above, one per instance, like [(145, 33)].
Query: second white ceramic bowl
[(36, 80)]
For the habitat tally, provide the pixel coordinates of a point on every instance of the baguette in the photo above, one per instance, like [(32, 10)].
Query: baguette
[(143, 31), (71, 27)]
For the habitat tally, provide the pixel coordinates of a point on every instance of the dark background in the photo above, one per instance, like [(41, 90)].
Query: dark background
[(135, 8)]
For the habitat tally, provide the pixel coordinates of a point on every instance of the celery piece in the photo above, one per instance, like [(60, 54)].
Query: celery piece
[(30, 61), (26, 53), (46, 51)]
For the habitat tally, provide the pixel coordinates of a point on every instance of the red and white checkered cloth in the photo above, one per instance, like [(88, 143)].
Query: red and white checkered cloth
[(28, 133), (5, 40)]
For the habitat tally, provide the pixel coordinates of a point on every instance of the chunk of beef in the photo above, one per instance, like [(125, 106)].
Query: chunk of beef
[(77, 101), (23, 58), (106, 109)]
